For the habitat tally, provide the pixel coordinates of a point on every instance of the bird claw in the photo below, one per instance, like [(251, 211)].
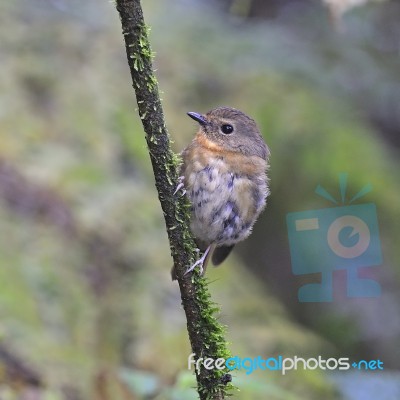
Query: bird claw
[(180, 186), (200, 262)]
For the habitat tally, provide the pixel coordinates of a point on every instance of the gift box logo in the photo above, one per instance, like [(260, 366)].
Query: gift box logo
[(336, 238)]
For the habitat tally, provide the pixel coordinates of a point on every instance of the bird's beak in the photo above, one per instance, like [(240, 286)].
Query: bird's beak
[(198, 117)]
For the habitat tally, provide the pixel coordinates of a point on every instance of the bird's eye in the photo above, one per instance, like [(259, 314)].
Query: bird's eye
[(227, 129)]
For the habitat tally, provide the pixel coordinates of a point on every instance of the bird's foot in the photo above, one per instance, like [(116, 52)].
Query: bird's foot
[(180, 186), (199, 262)]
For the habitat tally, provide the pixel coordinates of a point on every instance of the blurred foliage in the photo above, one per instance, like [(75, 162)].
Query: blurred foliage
[(85, 294)]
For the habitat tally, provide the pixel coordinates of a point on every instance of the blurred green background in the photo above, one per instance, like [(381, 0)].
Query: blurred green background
[(87, 307)]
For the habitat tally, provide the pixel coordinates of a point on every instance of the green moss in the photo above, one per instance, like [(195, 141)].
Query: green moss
[(212, 332), (142, 57), (152, 83)]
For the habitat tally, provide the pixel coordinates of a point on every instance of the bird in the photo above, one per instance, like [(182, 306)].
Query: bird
[(224, 175)]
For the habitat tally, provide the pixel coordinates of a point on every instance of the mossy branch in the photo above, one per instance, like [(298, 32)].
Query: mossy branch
[(205, 332)]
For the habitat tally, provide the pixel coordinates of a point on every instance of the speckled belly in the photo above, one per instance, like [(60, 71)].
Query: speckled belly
[(224, 205)]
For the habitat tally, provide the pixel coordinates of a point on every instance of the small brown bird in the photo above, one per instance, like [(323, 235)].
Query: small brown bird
[(224, 177)]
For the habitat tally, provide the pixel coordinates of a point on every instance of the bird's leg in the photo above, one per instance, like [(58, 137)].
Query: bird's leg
[(180, 186), (200, 262)]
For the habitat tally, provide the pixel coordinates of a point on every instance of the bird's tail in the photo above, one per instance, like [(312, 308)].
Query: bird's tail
[(220, 254)]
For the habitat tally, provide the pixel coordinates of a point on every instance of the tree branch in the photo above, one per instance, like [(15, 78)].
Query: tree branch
[(205, 333)]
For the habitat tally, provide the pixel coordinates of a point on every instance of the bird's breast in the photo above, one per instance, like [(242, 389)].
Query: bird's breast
[(227, 192)]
